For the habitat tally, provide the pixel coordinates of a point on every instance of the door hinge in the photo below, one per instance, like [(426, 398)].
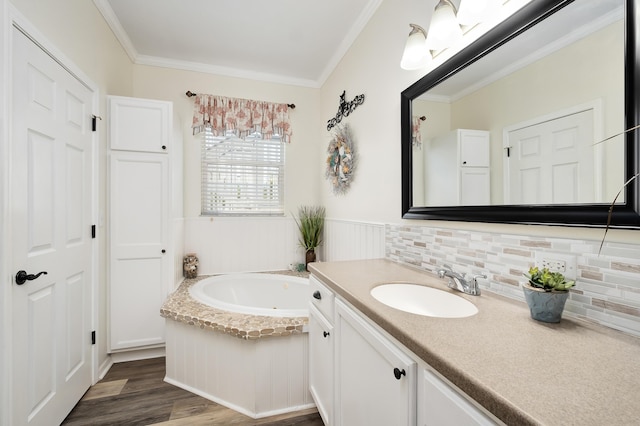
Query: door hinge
[(94, 122), (93, 231), (93, 337)]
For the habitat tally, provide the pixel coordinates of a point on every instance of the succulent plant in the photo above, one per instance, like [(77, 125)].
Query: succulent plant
[(547, 280)]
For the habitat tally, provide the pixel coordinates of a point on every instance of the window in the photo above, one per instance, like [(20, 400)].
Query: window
[(242, 176)]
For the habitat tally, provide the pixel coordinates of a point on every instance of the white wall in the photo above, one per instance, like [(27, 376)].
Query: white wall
[(371, 67), (301, 184)]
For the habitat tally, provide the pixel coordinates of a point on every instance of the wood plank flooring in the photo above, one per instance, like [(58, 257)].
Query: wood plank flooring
[(134, 393)]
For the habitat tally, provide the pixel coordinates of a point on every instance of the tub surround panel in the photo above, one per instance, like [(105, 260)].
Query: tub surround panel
[(500, 357), (608, 285), (258, 378), (240, 244), (181, 307)]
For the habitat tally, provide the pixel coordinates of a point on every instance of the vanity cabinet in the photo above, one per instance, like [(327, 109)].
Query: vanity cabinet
[(140, 238), (321, 364), (440, 404), (375, 381), (360, 375), (321, 349), (457, 168)]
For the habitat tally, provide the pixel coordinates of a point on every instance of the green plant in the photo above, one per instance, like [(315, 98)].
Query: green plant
[(547, 280), (310, 223)]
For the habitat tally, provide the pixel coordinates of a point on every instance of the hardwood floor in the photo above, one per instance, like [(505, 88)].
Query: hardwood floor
[(134, 393)]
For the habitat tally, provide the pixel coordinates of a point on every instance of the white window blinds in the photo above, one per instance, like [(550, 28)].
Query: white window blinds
[(242, 176)]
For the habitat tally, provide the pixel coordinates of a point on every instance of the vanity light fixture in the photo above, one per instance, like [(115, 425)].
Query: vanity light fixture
[(416, 54), (444, 30), (472, 12)]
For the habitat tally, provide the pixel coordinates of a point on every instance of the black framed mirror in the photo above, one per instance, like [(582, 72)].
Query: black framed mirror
[(592, 213)]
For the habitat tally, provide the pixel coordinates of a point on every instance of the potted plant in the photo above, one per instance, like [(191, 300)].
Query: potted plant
[(546, 294), (310, 223)]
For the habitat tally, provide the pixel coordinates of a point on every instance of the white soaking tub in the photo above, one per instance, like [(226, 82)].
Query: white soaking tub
[(241, 340)]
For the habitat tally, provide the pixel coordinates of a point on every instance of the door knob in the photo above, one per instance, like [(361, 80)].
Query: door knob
[(22, 277)]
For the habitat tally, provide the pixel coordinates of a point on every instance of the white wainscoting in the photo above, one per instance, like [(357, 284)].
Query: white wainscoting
[(258, 378), (242, 244), (245, 244), (351, 240)]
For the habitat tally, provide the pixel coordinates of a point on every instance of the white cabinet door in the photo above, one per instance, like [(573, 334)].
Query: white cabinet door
[(142, 125), (140, 256), (321, 371), (375, 381), (475, 186), (441, 405), (474, 148)]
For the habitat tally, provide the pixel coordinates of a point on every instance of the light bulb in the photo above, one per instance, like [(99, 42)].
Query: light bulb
[(415, 55), (444, 30)]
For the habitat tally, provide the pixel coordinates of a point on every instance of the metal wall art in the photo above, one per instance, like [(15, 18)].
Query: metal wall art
[(344, 109)]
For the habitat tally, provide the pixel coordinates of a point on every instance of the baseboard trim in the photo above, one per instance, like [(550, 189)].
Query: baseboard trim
[(137, 354)]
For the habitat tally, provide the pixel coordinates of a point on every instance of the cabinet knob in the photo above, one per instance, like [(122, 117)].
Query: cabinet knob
[(317, 295), (399, 373), (164, 147), (163, 251), (325, 334), (464, 162)]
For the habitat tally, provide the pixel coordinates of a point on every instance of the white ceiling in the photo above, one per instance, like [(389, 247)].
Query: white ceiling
[(286, 41)]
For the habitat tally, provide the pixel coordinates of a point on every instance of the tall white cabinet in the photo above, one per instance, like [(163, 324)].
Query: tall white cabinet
[(457, 169), (140, 234)]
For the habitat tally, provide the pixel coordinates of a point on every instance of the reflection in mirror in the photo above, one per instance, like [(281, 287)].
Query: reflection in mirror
[(541, 117), (519, 126)]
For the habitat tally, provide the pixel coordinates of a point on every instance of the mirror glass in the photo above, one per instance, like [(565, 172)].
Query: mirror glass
[(512, 120), (519, 126)]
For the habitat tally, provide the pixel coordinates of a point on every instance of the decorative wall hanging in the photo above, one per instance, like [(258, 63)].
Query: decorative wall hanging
[(344, 109), (416, 135), (341, 162)]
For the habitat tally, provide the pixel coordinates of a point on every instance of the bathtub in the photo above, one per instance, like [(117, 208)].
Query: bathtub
[(255, 294), (240, 340)]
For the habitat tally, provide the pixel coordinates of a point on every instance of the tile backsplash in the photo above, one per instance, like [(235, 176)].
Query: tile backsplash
[(608, 284)]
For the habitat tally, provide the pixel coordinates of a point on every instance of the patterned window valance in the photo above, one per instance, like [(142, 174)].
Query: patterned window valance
[(243, 117)]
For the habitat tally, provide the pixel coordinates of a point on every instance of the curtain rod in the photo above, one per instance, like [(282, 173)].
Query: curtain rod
[(190, 94)]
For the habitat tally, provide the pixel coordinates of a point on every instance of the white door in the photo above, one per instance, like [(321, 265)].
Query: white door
[(140, 258), (552, 162), (375, 381), (51, 223), (321, 369)]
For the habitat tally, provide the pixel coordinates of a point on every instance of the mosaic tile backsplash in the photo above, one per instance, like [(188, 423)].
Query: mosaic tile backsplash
[(608, 284)]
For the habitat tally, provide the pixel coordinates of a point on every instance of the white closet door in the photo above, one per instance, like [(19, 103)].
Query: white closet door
[(140, 258), (51, 151)]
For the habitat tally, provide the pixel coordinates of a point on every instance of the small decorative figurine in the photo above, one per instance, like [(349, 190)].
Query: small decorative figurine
[(190, 265)]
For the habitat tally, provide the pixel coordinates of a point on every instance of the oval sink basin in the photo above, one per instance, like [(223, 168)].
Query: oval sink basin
[(422, 300)]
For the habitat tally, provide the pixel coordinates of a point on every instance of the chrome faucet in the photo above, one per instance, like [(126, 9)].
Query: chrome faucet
[(461, 282)]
